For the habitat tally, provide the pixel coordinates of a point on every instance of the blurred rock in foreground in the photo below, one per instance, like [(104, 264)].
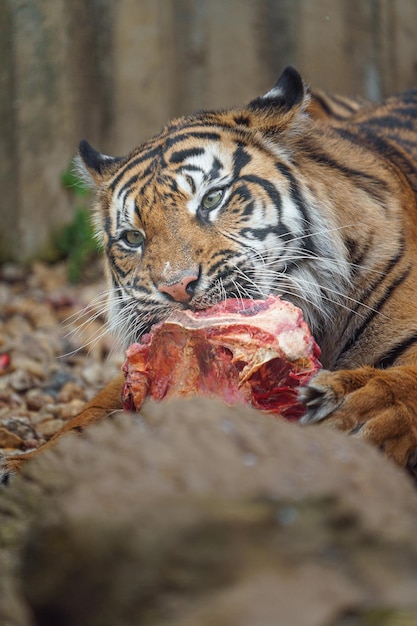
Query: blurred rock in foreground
[(194, 514)]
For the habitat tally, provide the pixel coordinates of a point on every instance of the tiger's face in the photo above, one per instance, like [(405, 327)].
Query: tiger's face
[(212, 208)]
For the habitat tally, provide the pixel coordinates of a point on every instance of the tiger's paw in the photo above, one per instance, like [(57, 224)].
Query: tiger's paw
[(379, 406)]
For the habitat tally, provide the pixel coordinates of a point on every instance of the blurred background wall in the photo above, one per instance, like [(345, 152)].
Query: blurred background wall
[(114, 71)]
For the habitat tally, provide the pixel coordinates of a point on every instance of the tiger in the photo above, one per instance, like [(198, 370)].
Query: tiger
[(298, 194)]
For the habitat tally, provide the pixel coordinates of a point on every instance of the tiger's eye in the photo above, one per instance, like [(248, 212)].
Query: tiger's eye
[(133, 237), (212, 199)]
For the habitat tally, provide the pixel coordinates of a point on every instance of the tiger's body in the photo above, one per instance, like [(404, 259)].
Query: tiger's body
[(325, 107), (310, 197)]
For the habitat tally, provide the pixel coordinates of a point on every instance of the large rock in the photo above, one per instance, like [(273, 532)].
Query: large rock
[(195, 514)]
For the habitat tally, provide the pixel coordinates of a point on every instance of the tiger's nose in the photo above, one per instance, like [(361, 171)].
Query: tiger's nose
[(181, 289)]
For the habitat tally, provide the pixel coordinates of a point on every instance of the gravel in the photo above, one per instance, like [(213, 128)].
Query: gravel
[(54, 351)]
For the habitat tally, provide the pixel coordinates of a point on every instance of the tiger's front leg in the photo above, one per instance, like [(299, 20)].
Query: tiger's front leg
[(100, 407), (377, 405)]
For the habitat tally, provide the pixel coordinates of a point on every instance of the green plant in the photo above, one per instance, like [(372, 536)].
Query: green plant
[(76, 241)]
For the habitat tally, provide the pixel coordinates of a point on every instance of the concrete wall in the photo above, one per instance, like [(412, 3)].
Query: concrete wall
[(114, 71)]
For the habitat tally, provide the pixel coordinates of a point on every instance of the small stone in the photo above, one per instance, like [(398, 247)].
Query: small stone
[(4, 412), (38, 346), (71, 391), (41, 416), (35, 399), (17, 326), (55, 409), (49, 427), (20, 380), (9, 439), (19, 425), (56, 382), (10, 399), (93, 374), (31, 366), (30, 444), (72, 409)]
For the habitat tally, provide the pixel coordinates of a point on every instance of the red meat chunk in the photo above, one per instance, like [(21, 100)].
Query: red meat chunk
[(244, 351)]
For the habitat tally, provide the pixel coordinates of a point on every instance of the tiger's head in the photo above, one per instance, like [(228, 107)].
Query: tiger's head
[(214, 207)]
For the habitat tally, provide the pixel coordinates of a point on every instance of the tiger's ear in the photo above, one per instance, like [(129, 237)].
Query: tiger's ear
[(95, 167), (281, 104)]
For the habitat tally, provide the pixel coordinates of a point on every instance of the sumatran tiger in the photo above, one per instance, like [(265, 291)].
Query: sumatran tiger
[(297, 194)]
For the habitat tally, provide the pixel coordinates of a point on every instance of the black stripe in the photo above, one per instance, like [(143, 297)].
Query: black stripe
[(248, 210), (268, 187), (385, 149), (242, 120), (114, 267), (190, 168), (171, 141), (396, 352), (346, 104), (173, 188), (148, 172), (243, 194), (409, 95), (261, 233), (216, 168), (408, 144), (370, 184), (408, 111), (191, 182), (149, 154), (326, 108), (107, 224), (389, 291), (213, 268), (357, 256), (373, 286), (147, 292), (297, 197), (324, 105), (224, 253), (152, 152), (391, 122), (134, 283), (181, 155), (390, 151), (240, 159)]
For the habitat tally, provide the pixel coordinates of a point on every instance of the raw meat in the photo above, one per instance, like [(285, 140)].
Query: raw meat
[(244, 351)]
